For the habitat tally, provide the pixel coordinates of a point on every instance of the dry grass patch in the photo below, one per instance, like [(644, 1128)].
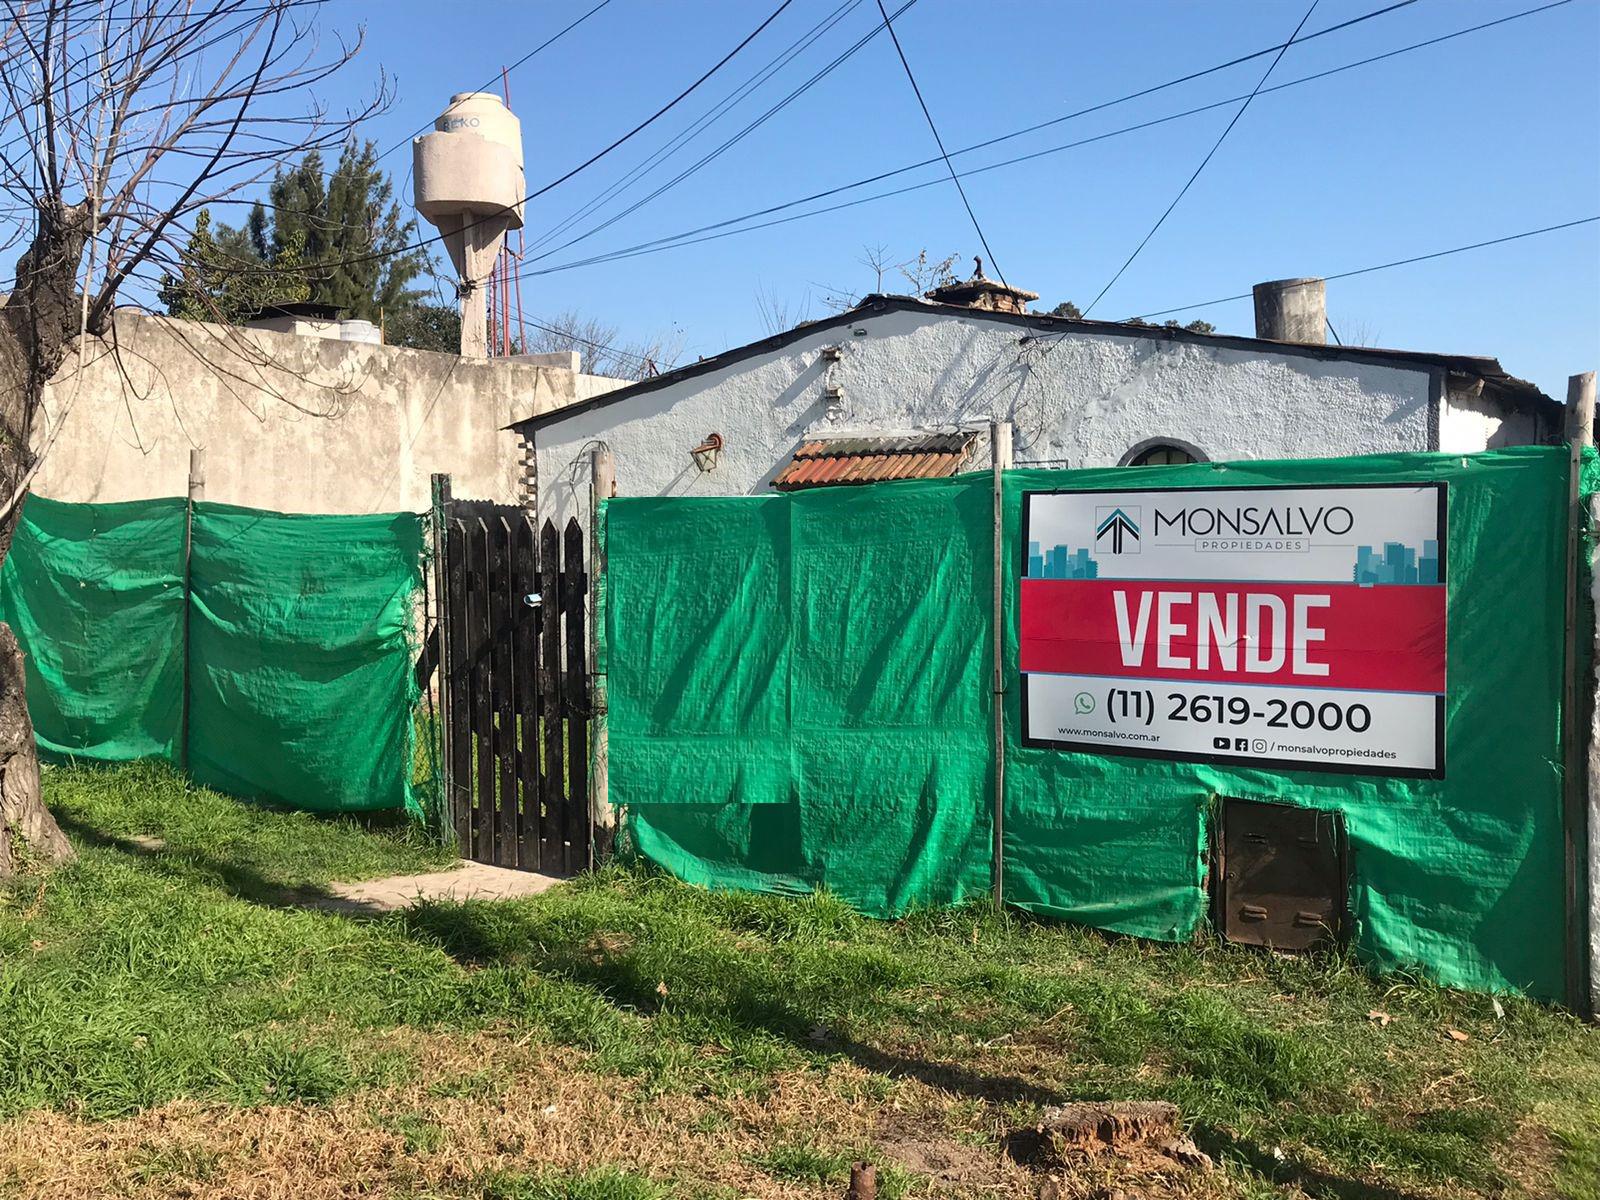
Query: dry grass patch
[(549, 1112)]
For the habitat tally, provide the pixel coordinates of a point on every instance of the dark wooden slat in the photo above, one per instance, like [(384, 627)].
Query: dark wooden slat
[(552, 774), (574, 595), (518, 731), (494, 601), (458, 737), (525, 555), (482, 691), (511, 608)]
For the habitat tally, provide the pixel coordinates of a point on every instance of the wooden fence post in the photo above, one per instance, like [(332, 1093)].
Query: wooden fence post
[(196, 493), (602, 820), (1000, 460), (441, 731), (1576, 707)]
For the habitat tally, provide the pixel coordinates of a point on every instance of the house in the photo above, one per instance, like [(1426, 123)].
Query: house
[(903, 387)]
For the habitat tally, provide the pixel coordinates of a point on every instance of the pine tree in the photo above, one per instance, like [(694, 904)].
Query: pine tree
[(221, 278), (341, 238)]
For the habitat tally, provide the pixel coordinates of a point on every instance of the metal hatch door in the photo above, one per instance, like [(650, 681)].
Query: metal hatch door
[(1282, 879)]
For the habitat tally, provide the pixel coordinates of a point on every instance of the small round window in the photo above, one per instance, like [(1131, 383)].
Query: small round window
[(1162, 452)]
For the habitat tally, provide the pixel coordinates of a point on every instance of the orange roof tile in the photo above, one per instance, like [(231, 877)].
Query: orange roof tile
[(849, 460)]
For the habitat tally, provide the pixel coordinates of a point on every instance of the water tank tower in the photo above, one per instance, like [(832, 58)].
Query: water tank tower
[(469, 184)]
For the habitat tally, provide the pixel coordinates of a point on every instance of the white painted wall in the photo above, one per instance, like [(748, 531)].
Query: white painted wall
[(1076, 399), (1469, 423)]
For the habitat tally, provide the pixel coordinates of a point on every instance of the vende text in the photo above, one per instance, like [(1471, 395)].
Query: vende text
[(1319, 635)]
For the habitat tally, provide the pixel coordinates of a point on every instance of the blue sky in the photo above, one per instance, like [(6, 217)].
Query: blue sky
[(1485, 135)]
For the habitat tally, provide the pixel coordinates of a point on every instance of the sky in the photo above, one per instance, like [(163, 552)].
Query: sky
[(1482, 136)]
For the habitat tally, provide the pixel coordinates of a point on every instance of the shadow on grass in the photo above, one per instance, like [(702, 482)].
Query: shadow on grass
[(1286, 1172), (240, 881), (480, 935)]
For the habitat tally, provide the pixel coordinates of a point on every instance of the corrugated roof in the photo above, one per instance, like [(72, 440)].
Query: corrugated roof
[(829, 461)]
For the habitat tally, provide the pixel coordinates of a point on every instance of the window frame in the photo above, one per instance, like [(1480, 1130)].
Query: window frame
[(1149, 445)]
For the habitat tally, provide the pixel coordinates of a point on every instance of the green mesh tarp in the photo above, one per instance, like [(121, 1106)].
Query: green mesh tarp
[(300, 682), (797, 686), (94, 593), (1460, 876), (799, 698)]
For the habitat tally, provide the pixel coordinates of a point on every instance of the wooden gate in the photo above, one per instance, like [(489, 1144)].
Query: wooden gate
[(514, 685)]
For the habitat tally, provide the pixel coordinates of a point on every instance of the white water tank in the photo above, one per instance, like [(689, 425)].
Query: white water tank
[(356, 330), (469, 184)]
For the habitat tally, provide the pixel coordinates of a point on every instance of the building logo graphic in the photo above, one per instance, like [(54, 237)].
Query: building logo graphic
[(1115, 529)]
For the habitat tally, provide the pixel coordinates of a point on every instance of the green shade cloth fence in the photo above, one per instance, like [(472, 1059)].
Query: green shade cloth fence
[(301, 683), (800, 698)]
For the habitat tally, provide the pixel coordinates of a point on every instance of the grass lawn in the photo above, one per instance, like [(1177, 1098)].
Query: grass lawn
[(172, 1024)]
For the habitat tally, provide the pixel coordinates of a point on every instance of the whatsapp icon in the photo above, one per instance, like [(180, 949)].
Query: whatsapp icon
[(1083, 702)]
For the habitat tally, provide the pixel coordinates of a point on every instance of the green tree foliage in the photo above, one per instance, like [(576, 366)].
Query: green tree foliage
[(342, 237), (424, 327), (1071, 312), (217, 281)]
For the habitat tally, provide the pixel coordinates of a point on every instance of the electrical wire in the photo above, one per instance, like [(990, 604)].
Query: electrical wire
[(639, 360), (730, 142), (1163, 312), (1027, 129), (1399, 262), (544, 45), (421, 243), (690, 238), (1210, 154), (716, 113), (939, 141)]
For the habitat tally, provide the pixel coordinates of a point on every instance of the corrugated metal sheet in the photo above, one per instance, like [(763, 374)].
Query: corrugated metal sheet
[(847, 460)]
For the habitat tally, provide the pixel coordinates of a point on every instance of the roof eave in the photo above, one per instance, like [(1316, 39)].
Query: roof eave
[(1519, 391)]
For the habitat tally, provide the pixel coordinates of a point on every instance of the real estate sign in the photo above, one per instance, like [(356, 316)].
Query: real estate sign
[(1274, 626)]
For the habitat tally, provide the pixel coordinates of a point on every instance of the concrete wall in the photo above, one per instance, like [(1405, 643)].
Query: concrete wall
[(1078, 399), (297, 424)]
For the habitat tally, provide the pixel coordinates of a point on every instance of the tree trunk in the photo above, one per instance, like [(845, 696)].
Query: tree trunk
[(28, 833), (38, 322)]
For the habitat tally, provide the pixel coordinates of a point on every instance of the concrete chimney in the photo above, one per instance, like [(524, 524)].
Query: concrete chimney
[(981, 292), (1292, 310)]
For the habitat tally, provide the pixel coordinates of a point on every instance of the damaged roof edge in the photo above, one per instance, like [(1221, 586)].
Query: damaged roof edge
[(1519, 392)]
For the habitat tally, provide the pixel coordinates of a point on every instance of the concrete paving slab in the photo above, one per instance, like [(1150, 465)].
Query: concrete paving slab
[(465, 881)]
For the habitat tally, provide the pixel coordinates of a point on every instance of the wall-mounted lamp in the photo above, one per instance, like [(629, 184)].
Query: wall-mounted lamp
[(705, 455)]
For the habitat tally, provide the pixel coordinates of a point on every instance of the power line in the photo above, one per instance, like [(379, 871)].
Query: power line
[(730, 142), (939, 141), (716, 113), (690, 238), (639, 359), (544, 45), (554, 183), (1399, 262), (1052, 122), (1210, 70), (1003, 137), (1183, 191)]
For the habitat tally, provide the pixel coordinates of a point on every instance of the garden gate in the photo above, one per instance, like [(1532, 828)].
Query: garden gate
[(514, 707)]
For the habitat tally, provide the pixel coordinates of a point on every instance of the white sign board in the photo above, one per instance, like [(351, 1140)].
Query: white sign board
[(1281, 626)]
